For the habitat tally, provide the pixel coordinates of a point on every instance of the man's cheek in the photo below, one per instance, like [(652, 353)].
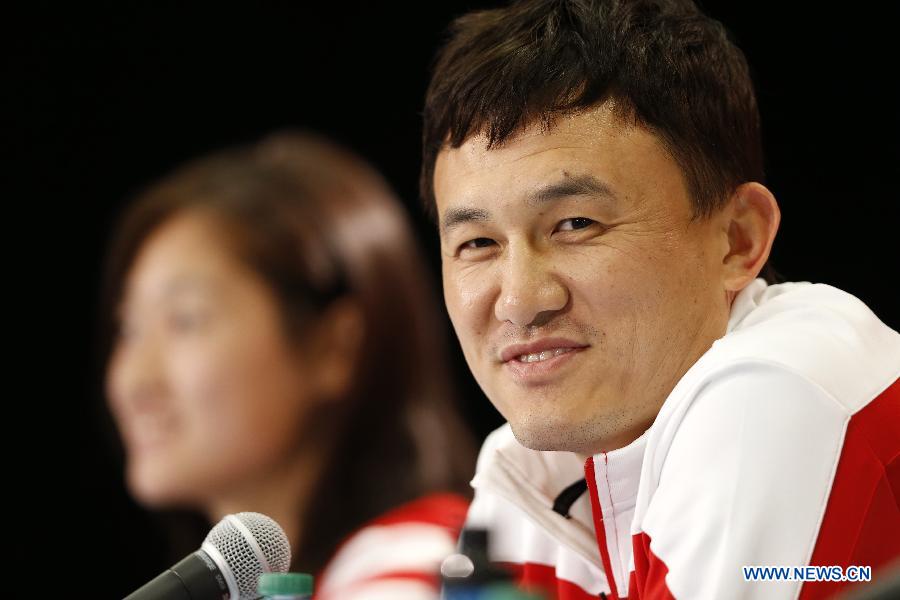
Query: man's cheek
[(471, 290), (467, 313)]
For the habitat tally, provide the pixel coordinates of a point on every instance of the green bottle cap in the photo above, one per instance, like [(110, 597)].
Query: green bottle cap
[(505, 591), (284, 584)]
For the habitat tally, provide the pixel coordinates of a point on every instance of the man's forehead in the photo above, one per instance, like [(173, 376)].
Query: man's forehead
[(592, 155), (581, 143)]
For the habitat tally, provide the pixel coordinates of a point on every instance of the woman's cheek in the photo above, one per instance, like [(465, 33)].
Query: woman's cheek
[(204, 386)]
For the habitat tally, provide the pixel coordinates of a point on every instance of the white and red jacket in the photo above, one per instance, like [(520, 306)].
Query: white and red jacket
[(396, 556), (779, 447)]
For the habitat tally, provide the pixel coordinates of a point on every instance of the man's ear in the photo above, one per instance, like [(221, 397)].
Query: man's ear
[(752, 219)]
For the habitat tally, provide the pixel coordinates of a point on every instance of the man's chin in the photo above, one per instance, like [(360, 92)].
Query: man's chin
[(542, 438), (583, 439)]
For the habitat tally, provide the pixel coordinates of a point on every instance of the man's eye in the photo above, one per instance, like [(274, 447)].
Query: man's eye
[(477, 243), (574, 223)]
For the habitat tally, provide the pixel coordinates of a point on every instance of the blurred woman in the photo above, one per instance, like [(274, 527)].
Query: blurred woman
[(274, 346)]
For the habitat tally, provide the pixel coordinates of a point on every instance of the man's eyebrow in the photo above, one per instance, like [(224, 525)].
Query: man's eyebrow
[(455, 217), (572, 185), (568, 186)]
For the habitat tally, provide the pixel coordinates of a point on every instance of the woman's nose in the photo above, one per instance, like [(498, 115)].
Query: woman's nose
[(134, 377)]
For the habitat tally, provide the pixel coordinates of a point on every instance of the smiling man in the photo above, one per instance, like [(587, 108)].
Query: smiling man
[(596, 173), (579, 282)]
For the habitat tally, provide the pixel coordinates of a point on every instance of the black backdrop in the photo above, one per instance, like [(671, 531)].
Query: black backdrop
[(111, 99)]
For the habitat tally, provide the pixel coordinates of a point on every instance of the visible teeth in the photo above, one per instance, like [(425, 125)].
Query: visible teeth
[(539, 356)]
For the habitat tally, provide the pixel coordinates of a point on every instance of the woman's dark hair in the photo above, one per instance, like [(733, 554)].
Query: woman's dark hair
[(667, 67), (318, 225)]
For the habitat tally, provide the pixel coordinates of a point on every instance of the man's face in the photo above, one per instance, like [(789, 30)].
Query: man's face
[(579, 285)]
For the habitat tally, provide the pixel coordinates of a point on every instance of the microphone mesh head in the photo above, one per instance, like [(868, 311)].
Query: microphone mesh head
[(241, 555)]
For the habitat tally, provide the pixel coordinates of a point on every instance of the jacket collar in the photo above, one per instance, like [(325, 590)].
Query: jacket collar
[(532, 480)]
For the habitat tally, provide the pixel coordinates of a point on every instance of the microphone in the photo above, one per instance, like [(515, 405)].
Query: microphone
[(227, 566)]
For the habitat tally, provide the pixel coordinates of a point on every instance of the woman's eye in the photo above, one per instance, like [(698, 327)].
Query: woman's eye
[(477, 243), (574, 223), (186, 321)]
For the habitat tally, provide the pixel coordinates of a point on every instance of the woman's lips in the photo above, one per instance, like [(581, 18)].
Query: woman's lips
[(148, 431)]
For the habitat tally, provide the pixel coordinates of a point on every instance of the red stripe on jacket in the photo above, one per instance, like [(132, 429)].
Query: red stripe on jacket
[(599, 530), (542, 579), (861, 526), (648, 580)]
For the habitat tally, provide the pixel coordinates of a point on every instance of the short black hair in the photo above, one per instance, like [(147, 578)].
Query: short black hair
[(668, 67)]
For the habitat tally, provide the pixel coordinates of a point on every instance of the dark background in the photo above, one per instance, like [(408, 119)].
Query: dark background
[(112, 99)]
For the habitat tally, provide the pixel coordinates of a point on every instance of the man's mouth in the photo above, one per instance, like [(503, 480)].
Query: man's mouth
[(541, 361), (543, 355), (539, 350)]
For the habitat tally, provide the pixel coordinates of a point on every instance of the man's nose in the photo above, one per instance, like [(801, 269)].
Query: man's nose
[(530, 292)]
